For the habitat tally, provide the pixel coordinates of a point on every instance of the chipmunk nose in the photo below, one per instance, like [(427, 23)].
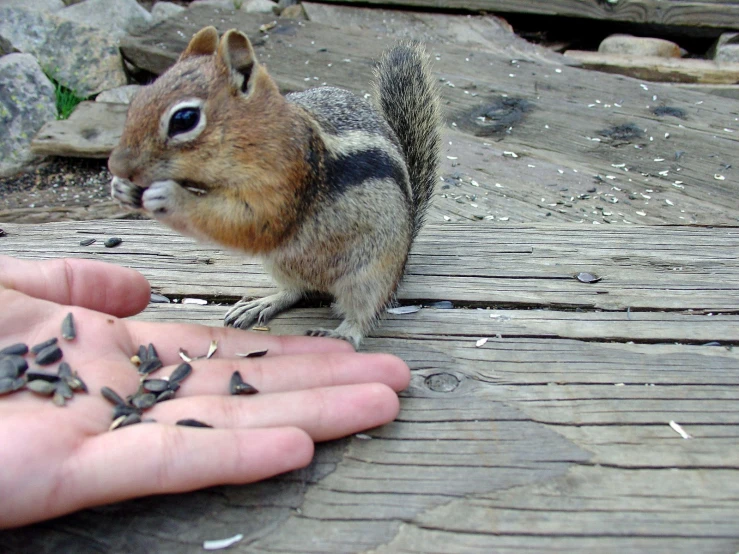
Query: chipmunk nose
[(117, 163)]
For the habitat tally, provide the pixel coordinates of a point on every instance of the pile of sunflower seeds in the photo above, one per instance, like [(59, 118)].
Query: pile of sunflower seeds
[(60, 386)]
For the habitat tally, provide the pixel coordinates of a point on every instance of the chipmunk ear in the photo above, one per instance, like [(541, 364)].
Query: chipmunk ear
[(203, 43), (237, 55)]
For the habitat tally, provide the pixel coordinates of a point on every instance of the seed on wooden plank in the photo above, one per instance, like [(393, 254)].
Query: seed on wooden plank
[(17, 349), (255, 354), (112, 242), (35, 349), (64, 389), (180, 373), (150, 366), (68, 329), (124, 410), (87, 242), (40, 386), (144, 401), (238, 386), (12, 366), (113, 397), (151, 352), (585, 277), (155, 385), (155, 298), (193, 423), (166, 395), (49, 355)]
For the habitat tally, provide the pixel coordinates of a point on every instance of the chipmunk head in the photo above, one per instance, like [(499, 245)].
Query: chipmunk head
[(213, 105)]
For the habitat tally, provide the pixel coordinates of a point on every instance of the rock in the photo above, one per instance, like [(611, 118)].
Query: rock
[(726, 48), (82, 58), (295, 11), (639, 46), (120, 95), (115, 16), (27, 101), (40, 5), (92, 131), (249, 6), (164, 10)]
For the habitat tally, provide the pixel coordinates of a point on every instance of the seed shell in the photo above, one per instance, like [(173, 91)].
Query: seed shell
[(155, 385), (112, 242), (111, 396), (585, 277), (17, 349), (68, 329), (87, 242), (12, 366), (150, 365), (193, 423), (144, 401), (40, 346), (255, 354), (40, 386), (237, 385), (76, 383), (180, 373), (49, 355)]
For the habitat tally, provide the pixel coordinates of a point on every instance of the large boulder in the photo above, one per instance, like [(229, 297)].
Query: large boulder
[(40, 5), (27, 101), (639, 46), (164, 10), (117, 17), (82, 58)]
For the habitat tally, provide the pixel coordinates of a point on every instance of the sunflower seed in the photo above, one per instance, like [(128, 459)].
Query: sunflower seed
[(40, 386), (63, 388), (180, 373), (144, 401), (40, 346), (42, 376), (255, 354), (193, 423), (166, 395), (151, 352), (87, 242), (123, 410), (155, 385), (17, 349), (112, 242), (130, 420), (59, 399), (112, 396), (65, 370), (12, 366), (116, 423), (7, 385), (68, 330), (143, 356), (238, 386), (150, 366), (49, 355), (76, 383)]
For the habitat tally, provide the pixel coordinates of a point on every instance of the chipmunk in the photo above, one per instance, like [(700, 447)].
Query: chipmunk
[(329, 191)]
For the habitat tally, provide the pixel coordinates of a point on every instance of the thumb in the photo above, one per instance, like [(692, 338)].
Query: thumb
[(99, 286)]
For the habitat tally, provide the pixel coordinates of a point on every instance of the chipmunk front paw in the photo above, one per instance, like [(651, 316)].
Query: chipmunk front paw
[(246, 313), (127, 193), (161, 198)]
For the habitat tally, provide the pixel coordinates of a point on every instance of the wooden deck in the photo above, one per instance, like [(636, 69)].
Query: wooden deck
[(552, 436)]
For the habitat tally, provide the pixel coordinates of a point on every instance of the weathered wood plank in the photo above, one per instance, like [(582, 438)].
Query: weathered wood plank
[(697, 13), (670, 268)]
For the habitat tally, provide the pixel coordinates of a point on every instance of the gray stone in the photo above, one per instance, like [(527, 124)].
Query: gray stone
[(249, 6), (628, 45), (92, 131), (165, 10), (726, 48), (120, 95), (82, 58), (27, 101), (118, 17), (40, 5)]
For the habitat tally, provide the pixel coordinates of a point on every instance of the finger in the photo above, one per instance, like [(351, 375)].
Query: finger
[(90, 284), (196, 340), (324, 413), (293, 372), (151, 458)]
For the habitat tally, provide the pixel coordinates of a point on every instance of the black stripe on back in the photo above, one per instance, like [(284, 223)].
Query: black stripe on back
[(346, 171)]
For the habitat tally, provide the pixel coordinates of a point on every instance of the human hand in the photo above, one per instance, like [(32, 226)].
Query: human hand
[(57, 460)]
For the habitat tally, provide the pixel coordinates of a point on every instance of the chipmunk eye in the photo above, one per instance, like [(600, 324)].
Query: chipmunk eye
[(183, 120)]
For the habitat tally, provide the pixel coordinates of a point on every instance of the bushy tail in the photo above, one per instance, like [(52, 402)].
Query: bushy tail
[(406, 94)]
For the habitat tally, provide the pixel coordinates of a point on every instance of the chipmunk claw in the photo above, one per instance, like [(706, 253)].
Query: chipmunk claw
[(246, 313), (127, 193), (332, 334)]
